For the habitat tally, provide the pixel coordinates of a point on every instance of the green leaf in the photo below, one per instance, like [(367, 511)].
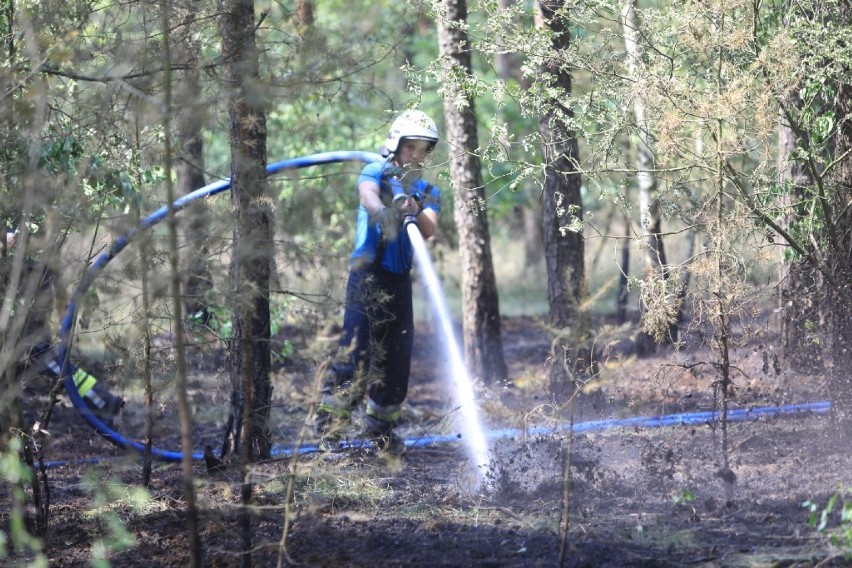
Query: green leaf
[(822, 127)]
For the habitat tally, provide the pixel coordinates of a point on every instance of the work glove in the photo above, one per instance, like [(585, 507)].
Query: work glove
[(389, 219), (408, 205)]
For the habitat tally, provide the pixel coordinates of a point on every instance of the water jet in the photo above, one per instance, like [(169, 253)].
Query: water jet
[(469, 422)]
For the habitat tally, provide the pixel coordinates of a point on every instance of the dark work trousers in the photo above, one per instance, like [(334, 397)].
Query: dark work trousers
[(34, 297), (35, 300), (378, 326)]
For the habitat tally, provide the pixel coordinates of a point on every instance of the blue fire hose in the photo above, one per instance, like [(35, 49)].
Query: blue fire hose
[(681, 419), (121, 243)]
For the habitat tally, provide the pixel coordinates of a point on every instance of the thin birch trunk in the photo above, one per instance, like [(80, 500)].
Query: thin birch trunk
[(650, 218), (174, 262)]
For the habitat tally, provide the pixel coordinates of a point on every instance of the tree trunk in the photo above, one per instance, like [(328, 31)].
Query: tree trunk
[(649, 203), (505, 64), (304, 15), (253, 231), (189, 176), (483, 345), (533, 231), (841, 261), (562, 205), (622, 300), (650, 218), (184, 408), (9, 408), (563, 249), (798, 303)]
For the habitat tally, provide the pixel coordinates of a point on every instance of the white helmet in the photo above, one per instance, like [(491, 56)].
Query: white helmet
[(414, 124)]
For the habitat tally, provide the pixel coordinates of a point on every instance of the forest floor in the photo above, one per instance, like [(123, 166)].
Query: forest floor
[(633, 495)]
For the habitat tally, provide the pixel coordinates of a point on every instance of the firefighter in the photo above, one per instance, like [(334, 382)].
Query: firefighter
[(39, 357), (378, 322)]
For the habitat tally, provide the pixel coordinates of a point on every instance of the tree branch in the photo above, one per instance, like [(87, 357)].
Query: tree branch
[(113, 78)]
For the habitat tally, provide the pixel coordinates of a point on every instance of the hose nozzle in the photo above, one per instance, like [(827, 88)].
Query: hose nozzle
[(408, 205)]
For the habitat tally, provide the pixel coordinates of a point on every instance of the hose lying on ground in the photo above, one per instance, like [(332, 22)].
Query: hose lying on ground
[(682, 419)]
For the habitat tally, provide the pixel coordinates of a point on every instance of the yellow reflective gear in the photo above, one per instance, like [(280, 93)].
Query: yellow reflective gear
[(389, 414), (83, 381), (333, 409)]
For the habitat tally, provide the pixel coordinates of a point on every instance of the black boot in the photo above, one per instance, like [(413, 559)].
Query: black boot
[(381, 434), (103, 404)]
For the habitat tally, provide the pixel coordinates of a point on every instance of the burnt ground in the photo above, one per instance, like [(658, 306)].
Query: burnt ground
[(625, 495)]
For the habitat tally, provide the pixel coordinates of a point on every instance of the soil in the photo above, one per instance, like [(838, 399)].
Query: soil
[(615, 493)]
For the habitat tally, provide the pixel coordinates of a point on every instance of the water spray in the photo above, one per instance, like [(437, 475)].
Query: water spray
[(470, 424)]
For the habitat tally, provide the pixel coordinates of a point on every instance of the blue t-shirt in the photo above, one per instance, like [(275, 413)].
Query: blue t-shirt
[(398, 254)]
